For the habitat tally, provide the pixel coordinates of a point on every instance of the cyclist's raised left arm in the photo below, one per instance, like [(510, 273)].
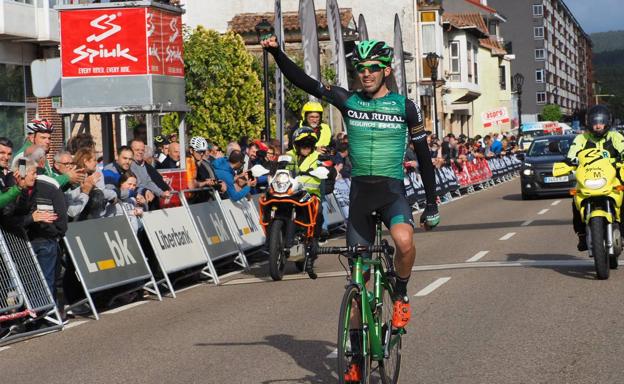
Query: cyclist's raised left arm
[(418, 136)]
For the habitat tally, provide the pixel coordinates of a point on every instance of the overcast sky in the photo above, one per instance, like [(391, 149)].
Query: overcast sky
[(598, 15)]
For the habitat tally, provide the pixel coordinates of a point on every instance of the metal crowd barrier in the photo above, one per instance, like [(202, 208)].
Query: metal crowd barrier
[(23, 289)]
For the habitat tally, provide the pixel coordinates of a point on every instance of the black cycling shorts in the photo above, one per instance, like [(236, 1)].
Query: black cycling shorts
[(384, 195)]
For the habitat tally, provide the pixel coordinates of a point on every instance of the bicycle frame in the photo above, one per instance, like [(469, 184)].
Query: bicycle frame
[(370, 301)]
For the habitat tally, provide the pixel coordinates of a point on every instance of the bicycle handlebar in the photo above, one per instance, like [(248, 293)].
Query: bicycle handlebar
[(355, 249)]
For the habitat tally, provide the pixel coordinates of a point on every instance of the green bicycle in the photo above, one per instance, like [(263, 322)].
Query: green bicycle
[(365, 332)]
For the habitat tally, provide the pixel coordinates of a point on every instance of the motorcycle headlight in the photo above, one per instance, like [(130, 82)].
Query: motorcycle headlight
[(527, 172), (595, 183), (281, 183)]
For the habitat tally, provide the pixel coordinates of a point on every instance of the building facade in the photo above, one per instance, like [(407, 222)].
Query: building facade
[(29, 30), (379, 20), (553, 53)]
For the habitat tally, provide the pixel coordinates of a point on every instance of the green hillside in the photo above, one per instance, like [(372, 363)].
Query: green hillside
[(609, 69), (608, 41)]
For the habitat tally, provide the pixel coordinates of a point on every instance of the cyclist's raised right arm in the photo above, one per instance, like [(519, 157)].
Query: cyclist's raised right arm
[(334, 95)]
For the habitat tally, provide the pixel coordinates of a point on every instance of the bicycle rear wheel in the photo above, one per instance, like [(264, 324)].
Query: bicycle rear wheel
[(348, 353), (390, 366)]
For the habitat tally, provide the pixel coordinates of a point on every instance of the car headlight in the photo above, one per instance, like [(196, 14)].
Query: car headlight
[(595, 183), (527, 172), (281, 183)]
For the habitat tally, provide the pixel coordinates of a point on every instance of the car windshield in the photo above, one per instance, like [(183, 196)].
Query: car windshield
[(533, 134), (549, 147)]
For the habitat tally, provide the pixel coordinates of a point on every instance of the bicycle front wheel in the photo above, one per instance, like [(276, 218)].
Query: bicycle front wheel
[(351, 346), (390, 366)]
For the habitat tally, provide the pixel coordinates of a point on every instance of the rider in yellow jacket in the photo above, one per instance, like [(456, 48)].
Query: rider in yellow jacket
[(598, 136), (311, 115)]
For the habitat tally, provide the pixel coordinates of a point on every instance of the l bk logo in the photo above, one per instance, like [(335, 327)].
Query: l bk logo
[(118, 248)]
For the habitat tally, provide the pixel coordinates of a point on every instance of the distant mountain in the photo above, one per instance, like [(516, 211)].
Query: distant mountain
[(607, 41)]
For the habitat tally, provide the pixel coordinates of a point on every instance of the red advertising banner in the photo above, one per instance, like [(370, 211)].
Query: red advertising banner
[(103, 42), (173, 44), (156, 56)]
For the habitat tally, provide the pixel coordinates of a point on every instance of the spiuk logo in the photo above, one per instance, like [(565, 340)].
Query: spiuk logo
[(105, 24)]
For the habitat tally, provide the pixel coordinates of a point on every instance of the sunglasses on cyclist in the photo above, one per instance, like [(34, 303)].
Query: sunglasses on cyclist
[(372, 68)]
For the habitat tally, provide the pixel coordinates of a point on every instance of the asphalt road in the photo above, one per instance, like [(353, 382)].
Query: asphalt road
[(499, 293)]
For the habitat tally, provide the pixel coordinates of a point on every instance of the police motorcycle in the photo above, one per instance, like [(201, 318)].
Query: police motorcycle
[(598, 197), (288, 216)]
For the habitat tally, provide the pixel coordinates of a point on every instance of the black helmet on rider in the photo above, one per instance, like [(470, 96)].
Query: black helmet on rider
[(304, 137), (598, 115)]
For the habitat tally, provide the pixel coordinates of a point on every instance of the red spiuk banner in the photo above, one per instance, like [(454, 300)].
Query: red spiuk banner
[(173, 44), (121, 42), (103, 42), (154, 42)]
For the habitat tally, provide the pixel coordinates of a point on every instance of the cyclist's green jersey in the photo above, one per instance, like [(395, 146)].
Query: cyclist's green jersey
[(377, 131)]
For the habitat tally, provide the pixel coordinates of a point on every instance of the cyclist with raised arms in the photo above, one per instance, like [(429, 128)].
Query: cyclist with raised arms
[(379, 123)]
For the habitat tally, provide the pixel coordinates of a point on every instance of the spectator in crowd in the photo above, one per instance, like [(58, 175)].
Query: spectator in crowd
[(205, 174), (81, 140), (231, 147), (113, 171), (41, 136), (162, 149), (450, 150), (342, 160), (146, 186), (76, 196), (132, 203), (6, 153), (495, 145), (226, 170), (214, 152), (9, 188), (251, 156), (99, 196), (173, 158), (41, 212)]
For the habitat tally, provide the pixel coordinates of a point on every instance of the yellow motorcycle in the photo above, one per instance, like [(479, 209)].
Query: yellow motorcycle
[(598, 197)]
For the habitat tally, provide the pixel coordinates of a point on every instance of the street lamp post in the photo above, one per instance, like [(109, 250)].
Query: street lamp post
[(433, 60), (264, 30), (518, 81)]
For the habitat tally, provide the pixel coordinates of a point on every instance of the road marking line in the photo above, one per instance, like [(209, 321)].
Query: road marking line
[(123, 308), (4, 348), (188, 288), (508, 236), (543, 211), (478, 256), (556, 202), (527, 223), (333, 354), (437, 267), (75, 324), (432, 287)]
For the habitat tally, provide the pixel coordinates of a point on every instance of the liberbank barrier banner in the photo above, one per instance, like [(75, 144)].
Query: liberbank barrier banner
[(106, 253), (246, 222), (174, 240), (213, 229)]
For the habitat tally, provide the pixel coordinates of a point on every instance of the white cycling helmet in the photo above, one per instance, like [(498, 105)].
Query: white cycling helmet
[(199, 144)]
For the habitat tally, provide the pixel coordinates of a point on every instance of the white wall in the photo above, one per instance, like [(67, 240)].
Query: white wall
[(379, 17)]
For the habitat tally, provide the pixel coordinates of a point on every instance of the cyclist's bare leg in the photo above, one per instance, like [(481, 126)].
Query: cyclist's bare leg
[(403, 237)]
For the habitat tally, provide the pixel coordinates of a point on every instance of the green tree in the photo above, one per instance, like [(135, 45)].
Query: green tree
[(551, 112), (223, 91)]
